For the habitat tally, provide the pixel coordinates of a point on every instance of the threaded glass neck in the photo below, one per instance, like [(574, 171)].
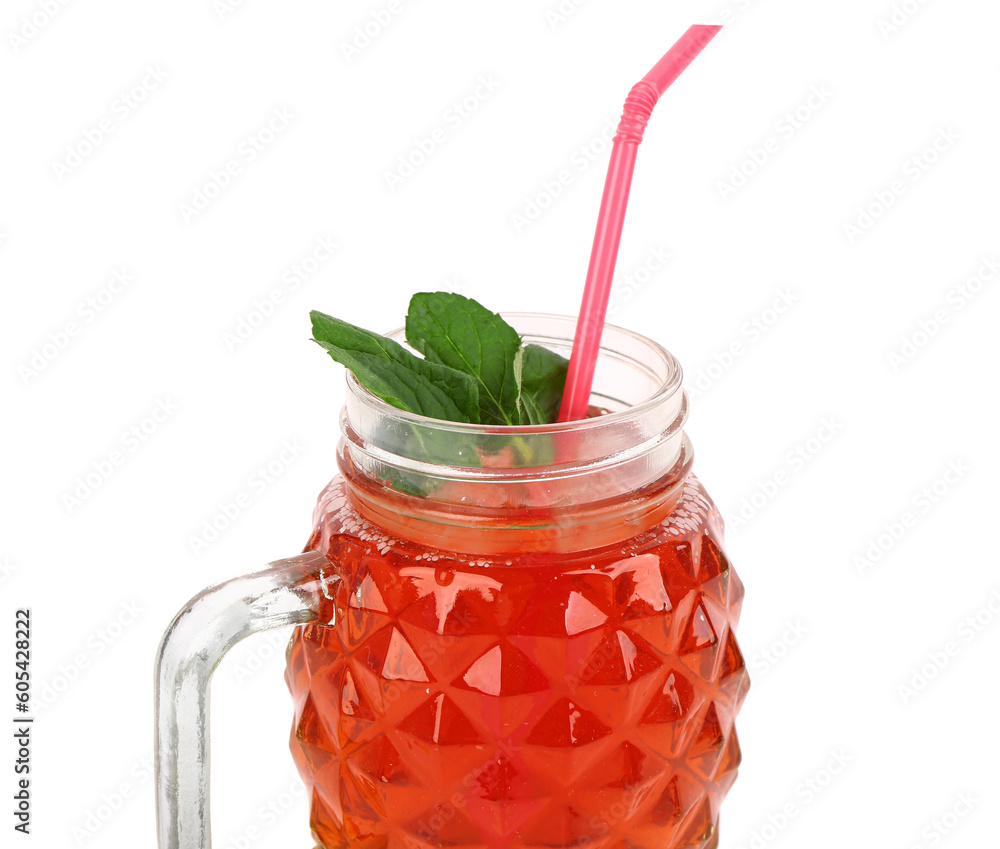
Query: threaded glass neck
[(526, 477)]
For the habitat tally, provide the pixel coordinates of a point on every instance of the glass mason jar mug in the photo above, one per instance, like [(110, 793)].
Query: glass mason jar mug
[(508, 636)]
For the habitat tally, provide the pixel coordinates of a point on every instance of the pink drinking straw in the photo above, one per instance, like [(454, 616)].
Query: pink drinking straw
[(603, 256)]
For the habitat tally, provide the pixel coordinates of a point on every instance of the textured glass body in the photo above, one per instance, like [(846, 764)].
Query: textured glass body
[(581, 698)]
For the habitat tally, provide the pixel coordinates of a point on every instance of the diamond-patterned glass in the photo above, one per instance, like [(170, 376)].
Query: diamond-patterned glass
[(586, 701)]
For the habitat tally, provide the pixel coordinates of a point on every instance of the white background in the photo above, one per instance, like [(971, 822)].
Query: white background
[(839, 613)]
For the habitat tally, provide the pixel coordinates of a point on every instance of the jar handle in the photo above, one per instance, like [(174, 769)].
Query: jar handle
[(288, 592)]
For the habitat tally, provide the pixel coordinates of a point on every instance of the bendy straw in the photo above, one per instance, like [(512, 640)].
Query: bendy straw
[(604, 254)]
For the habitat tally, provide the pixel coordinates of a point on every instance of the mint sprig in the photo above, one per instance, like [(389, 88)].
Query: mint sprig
[(395, 375), (462, 334), (475, 369), (543, 377)]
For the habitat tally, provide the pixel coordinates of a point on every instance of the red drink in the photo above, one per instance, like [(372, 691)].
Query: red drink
[(579, 699)]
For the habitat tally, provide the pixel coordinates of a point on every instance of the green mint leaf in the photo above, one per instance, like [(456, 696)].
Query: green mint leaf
[(462, 334), (543, 377), (395, 375), (404, 482)]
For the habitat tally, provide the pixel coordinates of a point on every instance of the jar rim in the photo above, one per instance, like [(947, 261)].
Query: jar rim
[(670, 384), (521, 472)]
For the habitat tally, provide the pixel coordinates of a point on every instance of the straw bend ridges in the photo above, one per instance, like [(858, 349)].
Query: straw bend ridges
[(635, 116)]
